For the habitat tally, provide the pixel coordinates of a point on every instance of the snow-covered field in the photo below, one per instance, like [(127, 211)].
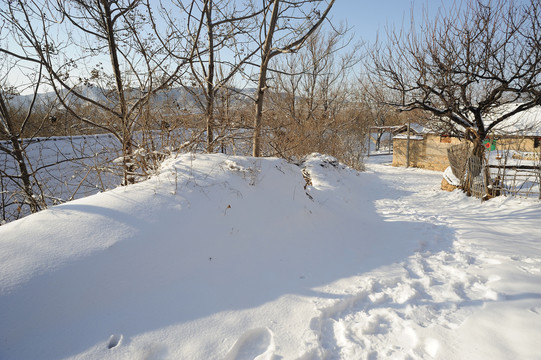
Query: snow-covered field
[(73, 167), (238, 258), (66, 168)]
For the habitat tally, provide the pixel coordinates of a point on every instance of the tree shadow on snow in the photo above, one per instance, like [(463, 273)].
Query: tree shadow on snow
[(146, 283)]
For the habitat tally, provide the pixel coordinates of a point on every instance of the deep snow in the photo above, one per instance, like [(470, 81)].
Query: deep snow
[(238, 258)]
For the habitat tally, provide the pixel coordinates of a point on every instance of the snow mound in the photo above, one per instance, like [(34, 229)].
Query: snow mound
[(223, 257), (450, 177)]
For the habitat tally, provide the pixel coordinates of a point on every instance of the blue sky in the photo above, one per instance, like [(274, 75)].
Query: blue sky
[(367, 17)]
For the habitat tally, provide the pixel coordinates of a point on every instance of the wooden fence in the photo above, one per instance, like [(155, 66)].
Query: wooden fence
[(483, 179)]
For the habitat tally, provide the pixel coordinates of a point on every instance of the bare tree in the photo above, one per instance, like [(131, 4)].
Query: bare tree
[(473, 67), (101, 61), (13, 132), (285, 27), (312, 91), (22, 118), (217, 40), (374, 101)]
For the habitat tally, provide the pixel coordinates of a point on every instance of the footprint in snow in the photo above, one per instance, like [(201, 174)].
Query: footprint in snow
[(254, 344), (114, 341), (529, 269), (536, 310), (431, 346)]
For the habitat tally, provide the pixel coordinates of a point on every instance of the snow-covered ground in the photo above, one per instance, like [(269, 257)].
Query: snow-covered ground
[(73, 167), (66, 168), (239, 258)]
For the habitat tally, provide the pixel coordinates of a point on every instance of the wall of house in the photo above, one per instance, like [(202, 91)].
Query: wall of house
[(436, 151), (417, 152), (518, 144), (429, 153)]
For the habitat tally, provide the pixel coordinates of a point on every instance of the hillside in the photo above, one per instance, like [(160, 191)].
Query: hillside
[(224, 257)]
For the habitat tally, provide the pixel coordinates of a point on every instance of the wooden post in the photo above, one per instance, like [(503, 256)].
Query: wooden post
[(408, 148), (390, 142), (369, 136)]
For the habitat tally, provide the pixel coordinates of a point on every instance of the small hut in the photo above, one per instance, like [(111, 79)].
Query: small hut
[(428, 146)]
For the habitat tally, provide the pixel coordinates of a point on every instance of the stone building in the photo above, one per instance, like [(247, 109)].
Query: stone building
[(428, 149)]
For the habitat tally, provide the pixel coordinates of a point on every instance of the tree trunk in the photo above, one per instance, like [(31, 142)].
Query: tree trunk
[(18, 155), (478, 151), (127, 148), (210, 80), (256, 145), (262, 81)]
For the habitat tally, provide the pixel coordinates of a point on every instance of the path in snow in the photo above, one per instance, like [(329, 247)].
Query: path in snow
[(416, 309)]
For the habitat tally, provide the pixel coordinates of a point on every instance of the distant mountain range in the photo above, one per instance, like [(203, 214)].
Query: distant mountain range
[(186, 98)]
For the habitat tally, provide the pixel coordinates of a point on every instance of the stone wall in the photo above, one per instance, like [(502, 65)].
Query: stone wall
[(430, 152), (436, 151), (517, 143), (417, 152)]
